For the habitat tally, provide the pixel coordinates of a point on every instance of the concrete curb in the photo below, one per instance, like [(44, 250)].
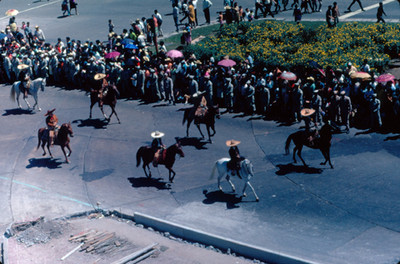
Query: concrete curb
[(191, 234)]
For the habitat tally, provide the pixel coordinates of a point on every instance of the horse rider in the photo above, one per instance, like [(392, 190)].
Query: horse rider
[(157, 146), (101, 91), (200, 104), (307, 114), (236, 159), (24, 78), (51, 122)]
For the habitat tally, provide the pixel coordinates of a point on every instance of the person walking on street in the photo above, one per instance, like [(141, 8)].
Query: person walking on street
[(73, 5), (175, 15), (65, 8), (335, 14), (345, 109), (329, 17), (380, 13), (352, 3), (206, 9)]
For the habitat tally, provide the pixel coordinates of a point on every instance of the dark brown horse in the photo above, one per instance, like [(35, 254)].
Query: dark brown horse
[(323, 143), (61, 139), (107, 97), (208, 119), (167, 158)]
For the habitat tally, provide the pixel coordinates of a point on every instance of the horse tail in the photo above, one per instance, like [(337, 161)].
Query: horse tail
[(288, 140), (139, 156), (39, 138), (213, 171), (12, 93), (185, 116)]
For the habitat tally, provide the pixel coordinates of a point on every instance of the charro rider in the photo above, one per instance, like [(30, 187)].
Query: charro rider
[(157, 146), (312, 132), (236, 159), (102, 90), (200, 104), (24, 78), (51, 122)]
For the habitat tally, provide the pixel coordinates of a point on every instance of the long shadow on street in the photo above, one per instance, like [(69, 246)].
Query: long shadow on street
[(192, 141), (158, 183), (291, 168), (230, 199), (18, 111), (96, 123), (49, 163)]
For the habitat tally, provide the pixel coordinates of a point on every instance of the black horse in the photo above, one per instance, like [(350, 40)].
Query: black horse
[(106, 97), (146, 153), (61, 139), (208, 119), (302, 138)]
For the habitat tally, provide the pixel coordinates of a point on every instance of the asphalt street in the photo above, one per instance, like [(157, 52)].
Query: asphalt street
[(349, 214)]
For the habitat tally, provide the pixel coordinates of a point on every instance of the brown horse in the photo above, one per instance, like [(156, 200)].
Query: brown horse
[(107, 97), (61, 139), (167, 158), (323, 143), (208, 119)]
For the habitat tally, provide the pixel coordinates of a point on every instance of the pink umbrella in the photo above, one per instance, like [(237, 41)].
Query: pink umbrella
[(112, 55), (174, 54), (290, 76), (227, 63), (385, 78)]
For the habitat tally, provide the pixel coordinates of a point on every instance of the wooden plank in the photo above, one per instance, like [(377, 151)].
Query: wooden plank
[(135, 254)]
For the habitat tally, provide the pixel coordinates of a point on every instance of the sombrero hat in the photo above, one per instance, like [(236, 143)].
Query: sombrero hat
[(157, 134), (50, 112), (232, 143), (307, 111), (22, 67), (99, 76)]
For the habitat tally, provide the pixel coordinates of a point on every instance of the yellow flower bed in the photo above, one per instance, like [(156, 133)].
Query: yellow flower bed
[(288, 45)]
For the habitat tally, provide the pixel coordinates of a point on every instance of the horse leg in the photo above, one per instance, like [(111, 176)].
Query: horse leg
[(299, 154), (69, 149), (251, 187), (201, 133), (91, 106), (187, 127), (228, 178), (294, 154), (213, 129), (171, 178), (27, 103), (113, 111), (208, 132), (48, 148), (328, 155), (148, 175), (102, 111), (18, 103), (65, 154), (36, 103), (44, 150)]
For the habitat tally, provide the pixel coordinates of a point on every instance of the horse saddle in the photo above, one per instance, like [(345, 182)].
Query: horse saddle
[(159, 156), (313, 137), (48, 133)]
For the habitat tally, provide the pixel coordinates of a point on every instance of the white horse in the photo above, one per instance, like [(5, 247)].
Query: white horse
[(36, 84), (246, 172)]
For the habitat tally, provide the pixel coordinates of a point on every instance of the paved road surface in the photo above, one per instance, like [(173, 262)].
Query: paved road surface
[(346, 215)]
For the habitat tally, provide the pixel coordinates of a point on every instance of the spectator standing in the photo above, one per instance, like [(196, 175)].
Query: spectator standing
[(206, 9), (110, 26), (297, 14), (159, 22), (39, 35), (194, 2), (375, 109), (28, 33), (175, 15), (335, 14), (192, 15), (380, 13), (329, 17), (345, 109)]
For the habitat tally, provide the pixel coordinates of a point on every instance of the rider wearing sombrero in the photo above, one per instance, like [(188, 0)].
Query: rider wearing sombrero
[(307, 114), (51, 122), (236, 159), (24, 78), (157, 146), (98, 77)]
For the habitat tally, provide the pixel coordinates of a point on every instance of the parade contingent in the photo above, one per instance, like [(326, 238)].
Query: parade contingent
[(126, 66)]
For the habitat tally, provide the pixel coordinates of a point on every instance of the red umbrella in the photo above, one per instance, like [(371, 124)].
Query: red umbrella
[(112, 55), (385, 78), (174, 54), (290, 76), (227, 63), (12, 12)]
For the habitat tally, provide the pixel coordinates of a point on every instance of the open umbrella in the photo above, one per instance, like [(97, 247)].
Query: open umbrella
[(127, 41), (385, 78), (112, 55), (2, 35), (12, 12), (227, 63), (360, 75), (290, 76), (174, 54), (131, 46)]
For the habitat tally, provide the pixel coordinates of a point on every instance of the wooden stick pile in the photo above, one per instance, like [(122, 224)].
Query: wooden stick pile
[(93, 241)]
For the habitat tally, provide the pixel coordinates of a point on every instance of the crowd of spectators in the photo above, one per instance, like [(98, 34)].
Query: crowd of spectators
[(247, 88)]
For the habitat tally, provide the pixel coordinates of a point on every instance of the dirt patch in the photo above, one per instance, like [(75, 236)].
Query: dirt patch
[(47, 242)]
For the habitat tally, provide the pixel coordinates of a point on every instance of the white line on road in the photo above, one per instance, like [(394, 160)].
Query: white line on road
[(33, 8), (366, 9)]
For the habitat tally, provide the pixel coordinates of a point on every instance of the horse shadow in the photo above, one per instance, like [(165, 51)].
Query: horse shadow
[(63, 16), (230, 199), (158, 183), (18, 111), (290, 168), (161, 105), (96, 123), (392, 138), (49, 163), (191, 141), (96, 175)]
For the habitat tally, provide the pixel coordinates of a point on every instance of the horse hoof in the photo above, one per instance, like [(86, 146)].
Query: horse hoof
[(257, 200), (39, 109)]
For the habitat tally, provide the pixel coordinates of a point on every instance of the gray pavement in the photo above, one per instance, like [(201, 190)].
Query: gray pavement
[(348, 214)]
